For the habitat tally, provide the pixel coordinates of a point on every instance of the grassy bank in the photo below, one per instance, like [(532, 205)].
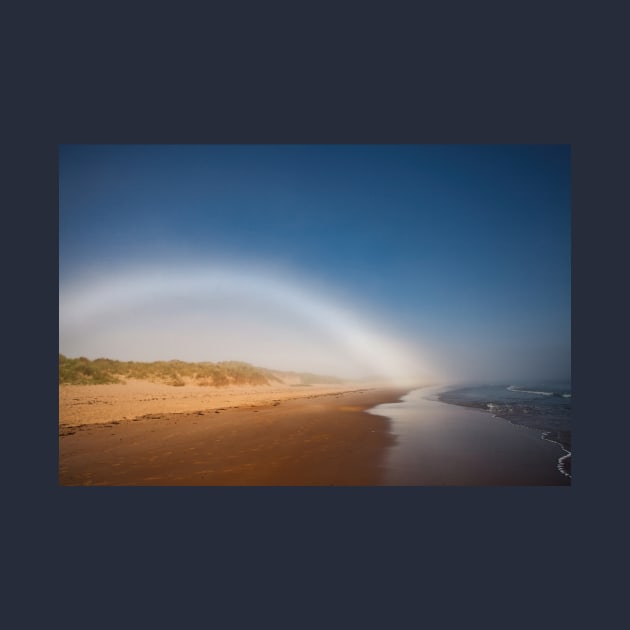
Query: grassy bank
[(83, 371)]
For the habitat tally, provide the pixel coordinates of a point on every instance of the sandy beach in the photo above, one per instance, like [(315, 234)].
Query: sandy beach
[(96, 404), (145, 433), (159, 435)]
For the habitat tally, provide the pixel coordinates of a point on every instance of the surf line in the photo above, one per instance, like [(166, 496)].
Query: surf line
[(561, 461)]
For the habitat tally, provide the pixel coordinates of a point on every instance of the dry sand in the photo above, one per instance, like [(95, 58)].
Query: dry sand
[(148, 434), (93, 404)]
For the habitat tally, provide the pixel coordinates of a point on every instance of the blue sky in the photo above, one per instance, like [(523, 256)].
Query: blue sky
[(459, 252)]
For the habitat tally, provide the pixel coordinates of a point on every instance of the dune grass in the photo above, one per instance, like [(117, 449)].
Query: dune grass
[(83, 371)]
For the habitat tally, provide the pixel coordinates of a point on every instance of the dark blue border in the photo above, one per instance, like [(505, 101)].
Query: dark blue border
[(233, 557)]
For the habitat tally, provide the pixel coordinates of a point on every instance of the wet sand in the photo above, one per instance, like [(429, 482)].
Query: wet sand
[(323, 438), (439, 444), (284, 437)]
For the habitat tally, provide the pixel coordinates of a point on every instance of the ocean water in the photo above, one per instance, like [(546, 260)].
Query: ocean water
[(466, 444), (545, 407)]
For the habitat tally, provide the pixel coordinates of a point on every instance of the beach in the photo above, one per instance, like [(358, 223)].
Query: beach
[(151, 434), (440, 444), (146, 434)]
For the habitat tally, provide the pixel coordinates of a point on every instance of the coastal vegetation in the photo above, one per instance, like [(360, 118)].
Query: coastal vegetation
[(83, 371)]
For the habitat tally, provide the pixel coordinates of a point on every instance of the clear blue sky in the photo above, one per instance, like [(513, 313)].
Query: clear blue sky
[(463, 248)]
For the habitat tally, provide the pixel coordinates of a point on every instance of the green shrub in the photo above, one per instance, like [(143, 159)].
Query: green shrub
[(83, 371)]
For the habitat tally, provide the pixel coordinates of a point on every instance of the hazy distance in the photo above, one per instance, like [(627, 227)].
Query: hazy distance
[(447, 263)]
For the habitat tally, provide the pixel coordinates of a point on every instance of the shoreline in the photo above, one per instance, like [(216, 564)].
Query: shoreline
[(564, 461), (445, 444), (352, 436), (317, 438)]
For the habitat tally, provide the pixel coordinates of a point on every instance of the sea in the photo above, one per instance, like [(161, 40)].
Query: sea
[(545, 407)]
